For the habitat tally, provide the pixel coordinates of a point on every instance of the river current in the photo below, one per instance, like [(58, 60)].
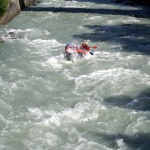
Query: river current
[(101, 103)]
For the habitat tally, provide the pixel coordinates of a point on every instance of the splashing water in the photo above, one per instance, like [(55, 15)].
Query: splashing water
[(100, 102)]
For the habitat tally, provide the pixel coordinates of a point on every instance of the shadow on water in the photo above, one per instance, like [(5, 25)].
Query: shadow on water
[(137, 141), (138, 13), (82, 10), (131, 37), (130, 2), (140, 102)]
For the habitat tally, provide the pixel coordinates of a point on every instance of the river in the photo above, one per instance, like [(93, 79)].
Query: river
[(101, 103)]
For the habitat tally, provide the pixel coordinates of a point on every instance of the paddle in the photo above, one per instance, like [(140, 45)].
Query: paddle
[(92, 51), (94, 46)]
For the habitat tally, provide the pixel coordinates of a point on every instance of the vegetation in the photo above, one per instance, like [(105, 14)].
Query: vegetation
[(3, 6)]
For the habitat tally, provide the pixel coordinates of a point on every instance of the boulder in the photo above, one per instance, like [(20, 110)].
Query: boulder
[(28, 2), (1, 40), (12, 10)]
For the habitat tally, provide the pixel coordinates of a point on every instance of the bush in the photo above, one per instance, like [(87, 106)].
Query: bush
[(3, 6)]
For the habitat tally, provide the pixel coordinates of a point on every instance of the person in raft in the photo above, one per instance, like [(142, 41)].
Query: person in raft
[(85, 46)]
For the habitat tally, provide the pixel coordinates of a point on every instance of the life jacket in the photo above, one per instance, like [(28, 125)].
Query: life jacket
[(85, 47)]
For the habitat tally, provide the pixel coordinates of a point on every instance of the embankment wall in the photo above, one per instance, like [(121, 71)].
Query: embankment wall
[(14, 7)]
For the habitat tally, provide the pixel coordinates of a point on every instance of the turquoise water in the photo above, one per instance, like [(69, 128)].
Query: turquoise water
[(100, 103)]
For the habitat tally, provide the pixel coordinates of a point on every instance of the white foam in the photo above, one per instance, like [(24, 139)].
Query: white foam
[(82, 112), (19, 34), (95, 18), (67, 74), (36, 111), (121, 144), (111, 78), (54, 63), (52, 43), (20, 30), (131, 20), (87, 56)]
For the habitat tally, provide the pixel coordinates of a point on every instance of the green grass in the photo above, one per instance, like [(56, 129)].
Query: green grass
[(3, 6)]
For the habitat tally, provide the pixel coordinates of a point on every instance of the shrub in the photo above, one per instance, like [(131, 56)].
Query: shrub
[(3, 6)]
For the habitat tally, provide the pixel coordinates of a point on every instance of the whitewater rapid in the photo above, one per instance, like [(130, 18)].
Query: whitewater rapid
[(50, 103)]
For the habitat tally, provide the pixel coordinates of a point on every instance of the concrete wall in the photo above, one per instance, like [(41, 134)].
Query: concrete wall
[(13, 9)]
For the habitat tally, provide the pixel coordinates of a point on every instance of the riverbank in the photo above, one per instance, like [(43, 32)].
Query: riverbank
[(13, 9)]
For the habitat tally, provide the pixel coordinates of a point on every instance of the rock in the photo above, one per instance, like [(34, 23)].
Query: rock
[(28, 2), (13, 9), (1, 40), (36, 2), (21, 37), (11, 33)]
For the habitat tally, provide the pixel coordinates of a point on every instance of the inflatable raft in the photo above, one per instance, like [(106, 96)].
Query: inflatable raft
[(73, 52)]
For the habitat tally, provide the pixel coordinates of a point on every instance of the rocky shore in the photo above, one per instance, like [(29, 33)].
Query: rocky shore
[(14, 7)]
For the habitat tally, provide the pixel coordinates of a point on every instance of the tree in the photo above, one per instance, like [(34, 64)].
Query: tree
[(3, 6)]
